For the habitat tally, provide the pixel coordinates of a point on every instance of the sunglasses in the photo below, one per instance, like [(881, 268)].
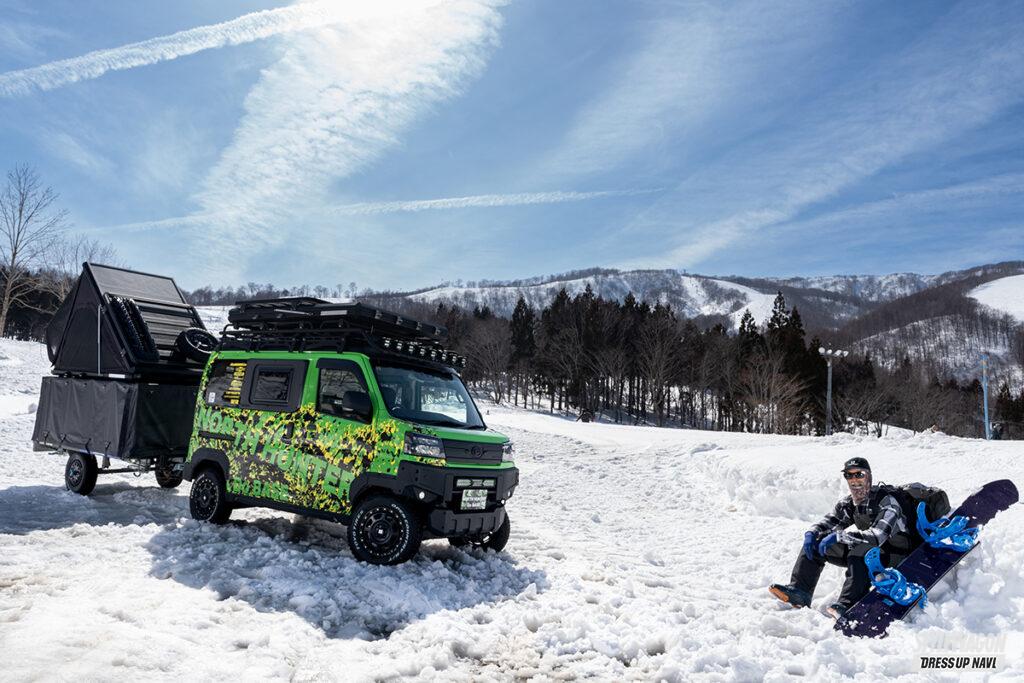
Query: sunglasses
[(855, 475)]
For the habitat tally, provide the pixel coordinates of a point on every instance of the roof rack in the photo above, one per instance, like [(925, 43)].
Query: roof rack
[(311, 324)]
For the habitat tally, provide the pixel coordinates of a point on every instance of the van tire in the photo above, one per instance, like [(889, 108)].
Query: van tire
[(166, 477), (80, 473), (208, 498), (496, 540), (384, 530)]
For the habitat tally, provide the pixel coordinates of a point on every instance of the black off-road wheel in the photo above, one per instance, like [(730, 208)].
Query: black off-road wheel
[(80, 473), (496, 540), (167, 477), (384, 530), (195, 343), (207, 501)]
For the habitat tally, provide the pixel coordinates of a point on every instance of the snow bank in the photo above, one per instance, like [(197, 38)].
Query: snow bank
[(636, 553)]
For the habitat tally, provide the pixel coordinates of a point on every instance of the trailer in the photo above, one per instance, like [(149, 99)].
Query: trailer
[(128, 352)]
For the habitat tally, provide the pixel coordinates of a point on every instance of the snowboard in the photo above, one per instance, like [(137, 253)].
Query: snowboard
[(871, 615)]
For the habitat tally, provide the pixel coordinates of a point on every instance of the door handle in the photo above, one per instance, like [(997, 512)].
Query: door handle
[(289, 431)]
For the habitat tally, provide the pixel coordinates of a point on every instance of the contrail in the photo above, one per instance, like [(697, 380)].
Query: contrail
[(409, 206), (245, 29), (481, 200)]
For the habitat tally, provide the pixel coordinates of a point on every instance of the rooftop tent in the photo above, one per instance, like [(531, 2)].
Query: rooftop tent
[(121, 322)]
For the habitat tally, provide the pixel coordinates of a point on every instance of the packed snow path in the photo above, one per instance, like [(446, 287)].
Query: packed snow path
[(636, 553)]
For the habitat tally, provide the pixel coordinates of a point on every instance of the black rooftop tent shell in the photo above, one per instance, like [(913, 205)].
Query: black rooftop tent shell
[(124, 323)]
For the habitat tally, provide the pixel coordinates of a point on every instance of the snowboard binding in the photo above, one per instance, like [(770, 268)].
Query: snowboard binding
[(891, 583), (946, 532)]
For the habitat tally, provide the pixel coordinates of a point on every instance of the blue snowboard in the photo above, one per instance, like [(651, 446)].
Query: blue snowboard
[(926, 565)]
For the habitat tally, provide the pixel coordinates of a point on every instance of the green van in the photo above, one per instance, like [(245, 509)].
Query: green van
[(352, 414)]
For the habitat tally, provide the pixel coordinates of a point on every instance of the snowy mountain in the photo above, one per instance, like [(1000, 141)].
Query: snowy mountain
[(953, 347), (824, 302), (692, 295), (951, 324), (636, 553)]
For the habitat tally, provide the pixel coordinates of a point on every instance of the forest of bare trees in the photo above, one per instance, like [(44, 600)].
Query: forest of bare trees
[(633, 363), (39, 256)]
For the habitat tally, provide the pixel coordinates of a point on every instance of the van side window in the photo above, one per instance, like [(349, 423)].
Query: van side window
[(271, 386), (274, 385), (335, 381), (224, 385)]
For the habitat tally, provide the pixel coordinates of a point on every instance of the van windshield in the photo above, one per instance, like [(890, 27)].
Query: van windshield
[(430, 397)]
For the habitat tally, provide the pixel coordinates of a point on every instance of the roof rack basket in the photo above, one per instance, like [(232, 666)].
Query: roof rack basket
[(311, 324)]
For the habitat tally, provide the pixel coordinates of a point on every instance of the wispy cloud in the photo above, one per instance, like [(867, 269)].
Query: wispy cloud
[(244, 29), (25, 40), (337, 100), (940, 199), (407, 206), (695, 63), (478, 201), (964, 71)]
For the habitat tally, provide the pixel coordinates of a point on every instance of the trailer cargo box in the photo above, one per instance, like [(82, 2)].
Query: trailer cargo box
[(126, 420)]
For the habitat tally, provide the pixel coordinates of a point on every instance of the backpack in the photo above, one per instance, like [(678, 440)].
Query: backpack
[(936, 503)]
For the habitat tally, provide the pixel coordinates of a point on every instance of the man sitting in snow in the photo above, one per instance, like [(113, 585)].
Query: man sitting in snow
[(879, 521)]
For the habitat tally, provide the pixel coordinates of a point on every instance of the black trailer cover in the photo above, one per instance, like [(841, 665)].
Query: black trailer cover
[(125, 420)]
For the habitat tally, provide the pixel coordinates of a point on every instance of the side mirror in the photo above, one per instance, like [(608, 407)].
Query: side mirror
[(357, 402)]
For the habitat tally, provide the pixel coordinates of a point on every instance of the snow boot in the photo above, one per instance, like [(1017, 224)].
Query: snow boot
[(790, 594), (836, 609)]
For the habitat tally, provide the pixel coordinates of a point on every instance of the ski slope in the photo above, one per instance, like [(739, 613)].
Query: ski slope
[(1005, 295), (636, 553)]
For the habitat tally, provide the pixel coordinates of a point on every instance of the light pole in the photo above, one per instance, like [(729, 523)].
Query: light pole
[(830, 354), (984, 394)]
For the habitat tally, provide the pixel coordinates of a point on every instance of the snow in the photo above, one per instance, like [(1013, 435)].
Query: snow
[(214, 317), (687, 294), (760, 305), (1005, 295), (870, 287), (637, 553), (942, 338)]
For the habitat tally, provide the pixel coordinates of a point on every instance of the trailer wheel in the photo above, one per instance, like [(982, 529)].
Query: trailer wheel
[(80, 473), (167, 477), (384, 530), (496, 540), (208, 499)]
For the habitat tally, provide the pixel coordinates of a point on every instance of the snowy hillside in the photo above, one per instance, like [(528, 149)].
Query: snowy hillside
[(867, 287), (691, 295), (957, 350), (1005, 295), (824, 301), (636, 554)]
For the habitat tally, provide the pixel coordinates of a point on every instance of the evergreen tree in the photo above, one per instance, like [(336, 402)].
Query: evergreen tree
[(524, 343)]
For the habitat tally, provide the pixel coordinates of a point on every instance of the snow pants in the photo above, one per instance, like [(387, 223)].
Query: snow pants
[(858, 580)]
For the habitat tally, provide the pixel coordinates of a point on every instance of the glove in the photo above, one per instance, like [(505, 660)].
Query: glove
[(810, 540), (827, 543)]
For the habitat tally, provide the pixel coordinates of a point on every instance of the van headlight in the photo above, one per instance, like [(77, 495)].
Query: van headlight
[(423, 445), (507, 451)]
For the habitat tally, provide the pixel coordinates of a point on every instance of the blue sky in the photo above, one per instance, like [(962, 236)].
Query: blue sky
[(407, 143)]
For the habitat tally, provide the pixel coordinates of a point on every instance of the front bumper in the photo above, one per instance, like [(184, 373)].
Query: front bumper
[(435, 488), (449, 523)]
